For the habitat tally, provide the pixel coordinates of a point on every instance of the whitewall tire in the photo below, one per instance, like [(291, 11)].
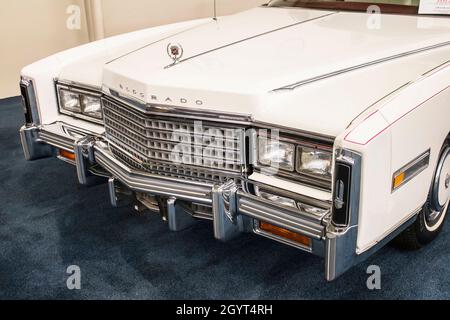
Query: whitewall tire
[(431, 219)]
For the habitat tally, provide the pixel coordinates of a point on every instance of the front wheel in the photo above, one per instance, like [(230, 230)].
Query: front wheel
[(431, 219)]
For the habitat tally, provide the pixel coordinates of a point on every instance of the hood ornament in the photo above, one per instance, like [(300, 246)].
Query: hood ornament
[(175, 52)]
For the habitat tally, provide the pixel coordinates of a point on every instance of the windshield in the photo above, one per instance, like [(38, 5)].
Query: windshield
[(392, 6)]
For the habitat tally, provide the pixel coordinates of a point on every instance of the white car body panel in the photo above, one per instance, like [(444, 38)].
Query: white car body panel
[(392, 129)]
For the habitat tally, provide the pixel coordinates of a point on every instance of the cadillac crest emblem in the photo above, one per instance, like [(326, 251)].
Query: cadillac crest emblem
[(175, 52)]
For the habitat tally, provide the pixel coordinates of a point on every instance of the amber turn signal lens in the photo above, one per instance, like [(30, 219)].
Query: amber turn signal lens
[(398, 180), (286, 234), (67, 155)]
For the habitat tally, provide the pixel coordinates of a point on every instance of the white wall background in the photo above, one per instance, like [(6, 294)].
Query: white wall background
[(33, 29), (126, 15)]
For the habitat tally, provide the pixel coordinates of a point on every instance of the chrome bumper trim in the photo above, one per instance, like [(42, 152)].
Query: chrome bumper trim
[(56, 140), (143, 182), (234, 210)]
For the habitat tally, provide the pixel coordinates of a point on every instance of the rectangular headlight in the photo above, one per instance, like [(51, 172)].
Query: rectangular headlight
[(70, 101), (92, 106), (276, 154), (313, 161), (80, 102)]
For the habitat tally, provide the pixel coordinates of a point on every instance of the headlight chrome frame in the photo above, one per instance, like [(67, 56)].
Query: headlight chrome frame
[(323, 182), (81, 90)]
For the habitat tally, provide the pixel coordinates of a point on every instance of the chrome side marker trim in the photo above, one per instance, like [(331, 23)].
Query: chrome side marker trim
[(411, 170)]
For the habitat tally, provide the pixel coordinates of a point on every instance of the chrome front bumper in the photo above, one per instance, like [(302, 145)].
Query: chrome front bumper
[(234, 210)]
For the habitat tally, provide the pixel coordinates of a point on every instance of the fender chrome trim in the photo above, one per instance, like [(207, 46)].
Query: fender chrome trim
[(341, 242), (360, 66)]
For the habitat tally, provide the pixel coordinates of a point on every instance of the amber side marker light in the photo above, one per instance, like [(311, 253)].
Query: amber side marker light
[(411, 170), (67, 155), (398, 180), (285, 234)]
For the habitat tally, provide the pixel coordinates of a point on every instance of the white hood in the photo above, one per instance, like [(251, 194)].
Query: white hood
[(234, 65)]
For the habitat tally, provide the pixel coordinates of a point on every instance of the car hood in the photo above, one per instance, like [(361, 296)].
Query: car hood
[(238, 63)]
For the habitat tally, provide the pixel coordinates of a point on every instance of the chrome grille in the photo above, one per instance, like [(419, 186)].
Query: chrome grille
[(171, 146)]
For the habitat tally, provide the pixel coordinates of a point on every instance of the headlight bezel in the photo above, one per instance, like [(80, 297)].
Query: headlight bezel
[(81, 91), (299, 142)]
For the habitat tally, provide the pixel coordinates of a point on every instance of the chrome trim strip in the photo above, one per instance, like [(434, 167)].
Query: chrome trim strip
[(57, 140), (249, 38), (159, 40), (59, 135), (78, 85), (177, 111), (417, 166), (360, 66)]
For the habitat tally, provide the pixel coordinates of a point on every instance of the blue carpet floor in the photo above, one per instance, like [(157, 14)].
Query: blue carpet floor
[(48, 222)]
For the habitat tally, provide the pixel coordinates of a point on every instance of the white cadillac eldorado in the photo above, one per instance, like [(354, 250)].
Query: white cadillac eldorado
[(324, 125)]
